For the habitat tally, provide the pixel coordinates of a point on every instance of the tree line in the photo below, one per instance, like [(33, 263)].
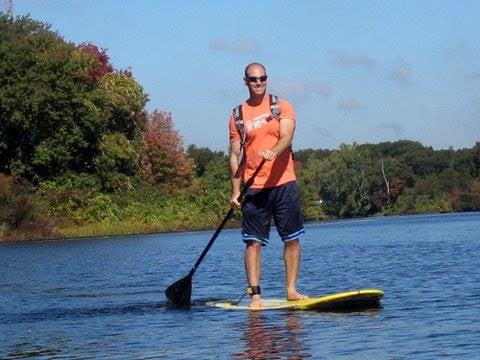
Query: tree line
[(81, 156), (399, 177)]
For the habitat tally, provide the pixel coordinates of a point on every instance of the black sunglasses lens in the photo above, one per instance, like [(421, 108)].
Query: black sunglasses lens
[(254, 78)]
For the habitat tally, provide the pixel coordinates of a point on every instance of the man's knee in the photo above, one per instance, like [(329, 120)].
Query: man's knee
[(253, 244), (292, 243)]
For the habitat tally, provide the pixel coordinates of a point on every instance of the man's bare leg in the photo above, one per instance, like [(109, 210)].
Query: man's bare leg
[(291, 256), (253, 255)]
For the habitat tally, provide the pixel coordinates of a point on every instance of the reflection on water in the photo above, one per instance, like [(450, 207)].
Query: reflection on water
[(267, 338), (285, 334)]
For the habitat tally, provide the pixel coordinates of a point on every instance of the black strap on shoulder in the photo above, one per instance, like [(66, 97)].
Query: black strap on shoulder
[(238, 117), (274, 107), (276, 111)]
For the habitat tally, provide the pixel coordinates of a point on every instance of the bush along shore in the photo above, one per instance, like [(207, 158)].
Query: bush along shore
[(332, 184)]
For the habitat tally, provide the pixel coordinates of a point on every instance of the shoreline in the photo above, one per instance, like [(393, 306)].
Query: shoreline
[(231, 225)]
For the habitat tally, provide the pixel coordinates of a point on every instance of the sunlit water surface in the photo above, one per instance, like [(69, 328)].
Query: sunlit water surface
[(104, 298)]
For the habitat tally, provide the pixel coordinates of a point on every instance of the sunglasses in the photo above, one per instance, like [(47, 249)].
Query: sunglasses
[(254, 79)]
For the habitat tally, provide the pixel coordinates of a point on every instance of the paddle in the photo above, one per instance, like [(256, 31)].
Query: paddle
[(180, 292)]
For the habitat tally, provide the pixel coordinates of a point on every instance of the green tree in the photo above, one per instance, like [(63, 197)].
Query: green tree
[(117, 162), (304, 155), (36, 85), (53, 116), (125, 101), (21, 215), (217, 175), (345, 186), (202, 157), (311, 202), (476, 157)]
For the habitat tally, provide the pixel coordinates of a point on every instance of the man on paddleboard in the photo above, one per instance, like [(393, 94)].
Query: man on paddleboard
[(263, 128)]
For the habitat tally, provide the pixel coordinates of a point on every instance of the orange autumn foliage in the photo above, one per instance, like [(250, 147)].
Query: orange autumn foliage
[(163, 161)]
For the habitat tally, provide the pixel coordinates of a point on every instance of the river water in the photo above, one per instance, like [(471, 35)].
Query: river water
[(104, 298)]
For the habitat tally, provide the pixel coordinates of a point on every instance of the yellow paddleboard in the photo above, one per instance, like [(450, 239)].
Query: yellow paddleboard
[(349, 300)]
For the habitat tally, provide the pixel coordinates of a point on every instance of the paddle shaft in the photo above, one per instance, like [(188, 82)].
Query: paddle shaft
[(227, 217)]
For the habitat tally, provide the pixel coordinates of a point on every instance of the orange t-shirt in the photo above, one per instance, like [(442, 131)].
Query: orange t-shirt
[(262, 133)]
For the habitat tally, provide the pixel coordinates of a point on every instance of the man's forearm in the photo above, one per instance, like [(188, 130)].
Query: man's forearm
[(283, 143), (287, 129), (235, 177)]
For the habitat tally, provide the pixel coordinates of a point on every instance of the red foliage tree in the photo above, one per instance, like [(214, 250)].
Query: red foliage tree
[(475, 191), (396, 188), (455, 196), (163, 160), (102, 65)]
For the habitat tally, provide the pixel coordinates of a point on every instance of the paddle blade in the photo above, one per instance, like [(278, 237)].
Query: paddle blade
[(180, 292)]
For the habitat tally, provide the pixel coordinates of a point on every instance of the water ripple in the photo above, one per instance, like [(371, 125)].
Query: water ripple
[(96, 299)]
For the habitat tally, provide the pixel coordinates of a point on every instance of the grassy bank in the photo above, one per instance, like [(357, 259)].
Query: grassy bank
[(53, 211)]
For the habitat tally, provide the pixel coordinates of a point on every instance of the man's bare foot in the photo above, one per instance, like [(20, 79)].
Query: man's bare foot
[(295, 295), (255, 302)]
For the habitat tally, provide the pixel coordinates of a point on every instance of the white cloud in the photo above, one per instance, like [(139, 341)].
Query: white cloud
[(342, 59), (401, 72), (349, 104), (299, 89), (238, 46)]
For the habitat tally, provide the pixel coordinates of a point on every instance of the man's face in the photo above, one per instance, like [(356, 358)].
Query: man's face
[(256, 80)]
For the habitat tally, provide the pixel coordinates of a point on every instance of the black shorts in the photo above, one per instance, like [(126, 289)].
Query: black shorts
[(280, 202)]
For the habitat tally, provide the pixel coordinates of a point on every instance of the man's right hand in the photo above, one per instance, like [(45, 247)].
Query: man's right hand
[(234, 200)]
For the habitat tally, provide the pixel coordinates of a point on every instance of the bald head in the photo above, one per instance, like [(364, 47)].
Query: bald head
[(253, 65)]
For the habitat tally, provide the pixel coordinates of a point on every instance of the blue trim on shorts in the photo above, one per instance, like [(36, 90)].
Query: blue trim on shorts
[(295, 235), (280, 203), (247, 237)]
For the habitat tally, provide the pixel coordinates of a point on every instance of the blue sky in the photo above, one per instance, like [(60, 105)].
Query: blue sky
[(355, 71)]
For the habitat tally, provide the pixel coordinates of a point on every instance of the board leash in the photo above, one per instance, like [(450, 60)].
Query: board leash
[(241, 298), (251, 290)]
